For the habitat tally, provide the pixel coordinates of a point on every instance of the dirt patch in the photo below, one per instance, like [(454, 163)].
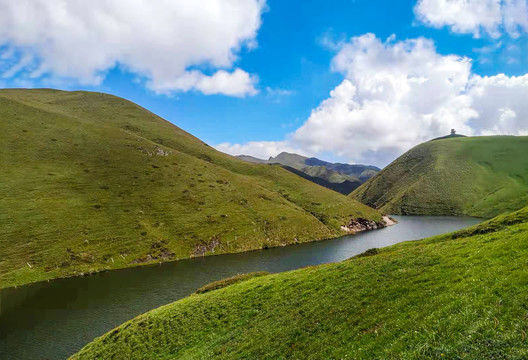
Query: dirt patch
[(389, 221), (158, 252), (361, 224)]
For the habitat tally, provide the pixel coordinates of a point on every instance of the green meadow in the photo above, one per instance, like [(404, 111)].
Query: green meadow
[(93, 182)]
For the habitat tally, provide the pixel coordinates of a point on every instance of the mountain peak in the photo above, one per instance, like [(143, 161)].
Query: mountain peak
[(343, 178)]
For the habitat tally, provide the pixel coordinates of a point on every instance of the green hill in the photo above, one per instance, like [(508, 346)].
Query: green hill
[(454, 296), (478, 176), (343, 178), (91, 182)]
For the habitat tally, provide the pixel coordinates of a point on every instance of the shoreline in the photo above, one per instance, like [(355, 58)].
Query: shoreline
[(158, 263)]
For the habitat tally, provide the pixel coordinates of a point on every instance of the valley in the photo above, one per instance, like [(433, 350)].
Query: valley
[(263, 180), (453, 294), (76, 310), (103, 184)]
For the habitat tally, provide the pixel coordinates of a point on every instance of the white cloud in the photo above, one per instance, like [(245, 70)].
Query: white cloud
[(276, 95), (477, 17), (259, 149), (463, 16), (22, 63), (394, 96), (165, 42), (516, 17), (275, 92), (397, 94), (501, 104), (238, 83)]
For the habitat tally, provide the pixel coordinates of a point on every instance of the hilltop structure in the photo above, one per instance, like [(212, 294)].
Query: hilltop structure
[(452, 135)]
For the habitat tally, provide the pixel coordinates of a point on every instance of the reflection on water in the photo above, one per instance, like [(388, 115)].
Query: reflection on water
[(53, 320)]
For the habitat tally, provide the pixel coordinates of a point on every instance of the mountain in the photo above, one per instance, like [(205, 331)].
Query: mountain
[(454, 296), (477, 176), (251, 159), (345, 187), (91, 182), (343, 178)]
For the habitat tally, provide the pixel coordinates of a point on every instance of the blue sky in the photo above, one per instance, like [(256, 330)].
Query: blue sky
[(290, 52), (291, 56)]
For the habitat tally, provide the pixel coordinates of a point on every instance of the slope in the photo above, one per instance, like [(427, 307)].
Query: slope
[(478, 176), (90, 182), (343, 178), (455, 296), (345, 187)]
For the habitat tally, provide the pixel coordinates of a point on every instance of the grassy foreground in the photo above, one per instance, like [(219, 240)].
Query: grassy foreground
[(91, 182), (477, 176), (456, 296)]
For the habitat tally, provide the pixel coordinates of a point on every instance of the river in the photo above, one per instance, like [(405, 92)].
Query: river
[(52, 320)]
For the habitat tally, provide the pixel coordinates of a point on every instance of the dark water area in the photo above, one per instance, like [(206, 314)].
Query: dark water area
[(53, 320)]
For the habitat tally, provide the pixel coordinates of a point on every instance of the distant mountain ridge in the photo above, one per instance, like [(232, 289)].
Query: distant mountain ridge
[(343, 178), (342, 187)]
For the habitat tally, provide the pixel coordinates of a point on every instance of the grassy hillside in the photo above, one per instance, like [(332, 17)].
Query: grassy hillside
[(455, 296), (478, 176), (90, 182)]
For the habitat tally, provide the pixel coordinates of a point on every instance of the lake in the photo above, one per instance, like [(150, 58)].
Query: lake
[(52, 320)]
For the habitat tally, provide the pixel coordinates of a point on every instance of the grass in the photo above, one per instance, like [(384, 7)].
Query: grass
[(93, 182), (220, 284), (455, 296), (477, 176)]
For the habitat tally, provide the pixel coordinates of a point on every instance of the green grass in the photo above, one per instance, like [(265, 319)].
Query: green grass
[(91, 182), (455, 296), (229, 281), (478, 176)]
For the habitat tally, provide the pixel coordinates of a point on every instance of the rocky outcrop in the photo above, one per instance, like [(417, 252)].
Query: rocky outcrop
[(203, 248), (163, 254), (361, 224), (159, 251), (389, 221)]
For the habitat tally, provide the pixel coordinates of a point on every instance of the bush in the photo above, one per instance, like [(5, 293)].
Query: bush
[(369, 252)]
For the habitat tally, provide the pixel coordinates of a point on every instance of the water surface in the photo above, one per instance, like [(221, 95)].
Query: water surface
[(54, 320)]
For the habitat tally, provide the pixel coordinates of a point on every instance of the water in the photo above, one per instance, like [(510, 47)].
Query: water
[(54, 320)]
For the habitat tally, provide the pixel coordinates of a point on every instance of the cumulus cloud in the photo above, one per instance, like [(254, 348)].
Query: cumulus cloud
[(396, 94), (515, 17), (477, 17), (164, 42), (238, 83), (501, 104)]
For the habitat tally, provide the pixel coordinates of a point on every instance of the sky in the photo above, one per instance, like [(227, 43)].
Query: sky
[(355, 81)]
